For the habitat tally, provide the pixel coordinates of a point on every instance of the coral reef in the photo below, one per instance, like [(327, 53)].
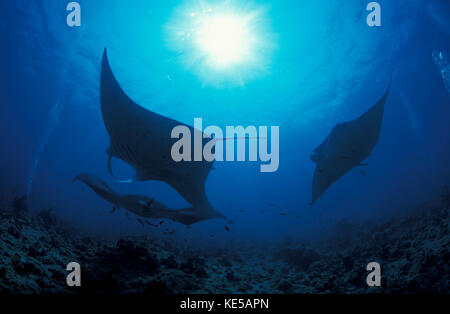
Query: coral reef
[(413, 252)]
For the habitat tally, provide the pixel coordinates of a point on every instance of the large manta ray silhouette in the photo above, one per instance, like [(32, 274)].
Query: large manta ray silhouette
[(138, 204), (142, 139), (348, 144)]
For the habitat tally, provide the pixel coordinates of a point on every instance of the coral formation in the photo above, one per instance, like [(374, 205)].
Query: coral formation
[(413, 252)]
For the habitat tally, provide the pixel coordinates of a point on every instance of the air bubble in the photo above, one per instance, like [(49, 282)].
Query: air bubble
[(442, 62)]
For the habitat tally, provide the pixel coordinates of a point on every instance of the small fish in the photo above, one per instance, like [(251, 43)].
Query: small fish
[(161, 222), (242, 211), (211, 235), (227, 228), (363, 172), (297, 217), (230, 222), (283, 214)]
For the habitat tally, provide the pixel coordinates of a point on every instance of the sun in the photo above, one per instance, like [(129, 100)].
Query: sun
[(225, 39), (224, 43)]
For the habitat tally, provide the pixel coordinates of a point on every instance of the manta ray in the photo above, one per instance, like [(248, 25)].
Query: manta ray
[(348, 144), (138, 204), (142, 139)]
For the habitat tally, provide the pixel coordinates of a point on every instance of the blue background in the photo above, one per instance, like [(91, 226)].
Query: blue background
[(320, 64)]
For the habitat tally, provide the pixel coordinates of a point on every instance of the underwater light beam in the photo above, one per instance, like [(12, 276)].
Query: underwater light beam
[(53, 119)]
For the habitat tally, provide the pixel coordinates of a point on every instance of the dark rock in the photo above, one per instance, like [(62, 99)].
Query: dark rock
[(48, 218), (285, 286), (188, 267), (32, 251), (13, 231), (225, 262), (26, 268), (57, 275), (151, 264), (125, 246), (355, 279), (169, 262), (348, 262), (36, 250), (200, 272), (129, 249), (430, 261), (244, 288), (230, 277), (384, 251), (20, 207), (140, 251), (301, 258), (396, 253), (81, 247), (325, 286)]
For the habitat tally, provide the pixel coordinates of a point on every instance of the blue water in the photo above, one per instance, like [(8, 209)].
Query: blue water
[(316, 63)]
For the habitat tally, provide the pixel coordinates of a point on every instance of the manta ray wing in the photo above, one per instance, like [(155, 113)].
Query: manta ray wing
[(140, 205), (347, 145), (142, 139), (98, 186)]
